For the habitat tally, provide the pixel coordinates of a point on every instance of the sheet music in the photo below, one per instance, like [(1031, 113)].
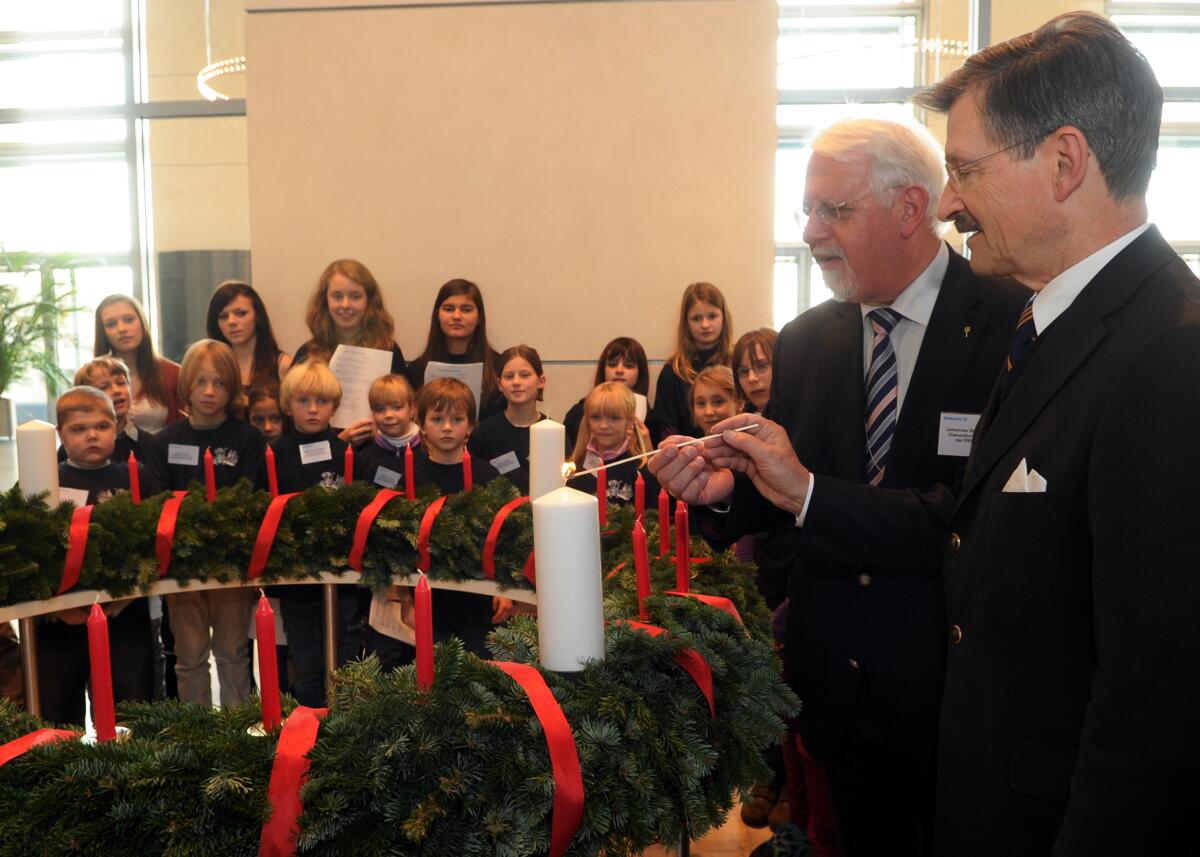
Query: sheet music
[(356, 369)]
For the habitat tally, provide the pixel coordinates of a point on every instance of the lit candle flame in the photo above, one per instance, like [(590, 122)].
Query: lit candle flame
[(568, 469)]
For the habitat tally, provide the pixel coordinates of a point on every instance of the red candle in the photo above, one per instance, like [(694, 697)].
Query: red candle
[(410, 487), (602, 493), (103, 715), (272, 476), (682, 548), (424, 621), (468, 474), (210, 474), (664, 523), (268, 668), (349, 464), (641, 563), (639, 497), (135, 480)]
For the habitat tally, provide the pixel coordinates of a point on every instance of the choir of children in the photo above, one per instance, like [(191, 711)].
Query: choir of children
[(227, 399)]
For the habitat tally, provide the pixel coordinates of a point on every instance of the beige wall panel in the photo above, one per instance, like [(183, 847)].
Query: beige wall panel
[(581, 162)]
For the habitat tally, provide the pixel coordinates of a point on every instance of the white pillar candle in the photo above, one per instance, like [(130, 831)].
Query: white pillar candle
[(566, 546), (547, 446), (37, 459)]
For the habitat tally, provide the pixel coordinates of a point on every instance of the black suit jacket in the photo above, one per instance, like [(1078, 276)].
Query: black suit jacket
[(1071, 712), (880, 612)]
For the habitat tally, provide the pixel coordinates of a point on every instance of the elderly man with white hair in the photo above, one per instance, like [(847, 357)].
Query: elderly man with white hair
[(880, 387)]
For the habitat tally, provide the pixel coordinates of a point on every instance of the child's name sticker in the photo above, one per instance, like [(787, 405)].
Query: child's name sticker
[(78, 496), (386, 478), (311, 453), (182, 453), (956, 433), (506, 463)]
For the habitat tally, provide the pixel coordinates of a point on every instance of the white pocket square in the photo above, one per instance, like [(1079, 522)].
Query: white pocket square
[(1025, 481)]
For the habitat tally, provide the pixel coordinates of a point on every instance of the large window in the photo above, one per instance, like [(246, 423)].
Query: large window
[(1168, 34), (115, 171), (874, 54)]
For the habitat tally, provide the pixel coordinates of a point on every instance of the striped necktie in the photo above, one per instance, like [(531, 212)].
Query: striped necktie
[(882, 392), (1023, 337)]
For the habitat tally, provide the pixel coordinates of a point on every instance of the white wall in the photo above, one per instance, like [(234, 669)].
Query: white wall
[(582, 162)]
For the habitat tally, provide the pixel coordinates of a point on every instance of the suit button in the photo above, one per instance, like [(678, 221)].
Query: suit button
[(955, 542), (864, 580), (956, 634), (853, 663)]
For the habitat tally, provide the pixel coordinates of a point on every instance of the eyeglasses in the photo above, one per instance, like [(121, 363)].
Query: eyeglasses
[(828, 212), (956, 174)]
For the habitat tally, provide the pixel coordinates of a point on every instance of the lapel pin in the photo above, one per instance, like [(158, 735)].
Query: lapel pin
[(966, 331)]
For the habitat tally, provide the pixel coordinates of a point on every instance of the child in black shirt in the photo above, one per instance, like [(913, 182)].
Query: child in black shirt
[(312, 454), (218, 620), (446, 414), (87, 427), (394, 409), (110, 375), (503, 439), (610, 431)]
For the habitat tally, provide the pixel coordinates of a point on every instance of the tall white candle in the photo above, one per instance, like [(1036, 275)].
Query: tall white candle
[(547, 446), (566, 545), (37, 459)]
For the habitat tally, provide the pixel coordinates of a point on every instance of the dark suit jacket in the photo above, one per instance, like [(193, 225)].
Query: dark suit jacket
[(1071, 716), (880, 613)]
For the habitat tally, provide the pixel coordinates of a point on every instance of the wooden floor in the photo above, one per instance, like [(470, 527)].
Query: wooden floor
[(733, 840)]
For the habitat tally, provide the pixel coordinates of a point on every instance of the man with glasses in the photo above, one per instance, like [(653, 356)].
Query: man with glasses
[(879, 387), (1071, 709), (1069, 719)]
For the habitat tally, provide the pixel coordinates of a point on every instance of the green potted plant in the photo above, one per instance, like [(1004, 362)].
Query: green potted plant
[(30, 325)]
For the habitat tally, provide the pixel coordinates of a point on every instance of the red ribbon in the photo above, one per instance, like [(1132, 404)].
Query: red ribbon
[(266, 534), (288, 773), (366, 518), (431, 512), (712, 601), (76, 548), (493, 533), (20, 746), (691, 661), (164, 536), (530, 569), (564, 756)]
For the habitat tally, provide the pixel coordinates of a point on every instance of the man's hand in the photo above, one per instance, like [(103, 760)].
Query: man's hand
[(688, 475), (764, 454)]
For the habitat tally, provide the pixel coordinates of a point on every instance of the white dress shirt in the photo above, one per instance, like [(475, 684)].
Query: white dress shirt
[(1058, 294)]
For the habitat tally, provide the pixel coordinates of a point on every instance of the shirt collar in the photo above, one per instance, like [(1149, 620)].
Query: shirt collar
[(594, 458), (1058, 294), (916, 302)]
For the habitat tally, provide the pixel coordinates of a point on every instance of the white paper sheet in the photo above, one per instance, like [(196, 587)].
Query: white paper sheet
[(356, 369), (470, 374)]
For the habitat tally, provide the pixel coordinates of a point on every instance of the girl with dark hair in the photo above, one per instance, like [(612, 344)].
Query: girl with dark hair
[(347, 309), (237, 317), (121, 331), (622, 360), (704, 338), (752, 356), (503, 438), (458, 335)]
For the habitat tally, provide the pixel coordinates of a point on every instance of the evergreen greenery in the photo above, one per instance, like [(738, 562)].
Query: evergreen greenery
[(460, 770)]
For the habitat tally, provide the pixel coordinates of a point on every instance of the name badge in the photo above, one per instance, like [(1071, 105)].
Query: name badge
[(956, 433), (311, 453), (506, 463), (75, 495), (182, 453), (386, 478)]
